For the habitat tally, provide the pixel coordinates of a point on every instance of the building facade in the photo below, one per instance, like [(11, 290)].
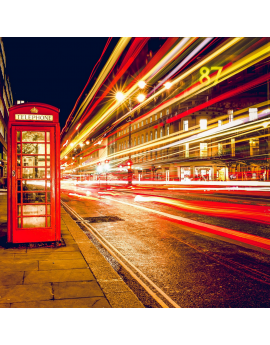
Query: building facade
[(6, 101)]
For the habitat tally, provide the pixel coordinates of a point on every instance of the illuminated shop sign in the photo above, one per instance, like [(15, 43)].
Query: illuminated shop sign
[(34, 117)]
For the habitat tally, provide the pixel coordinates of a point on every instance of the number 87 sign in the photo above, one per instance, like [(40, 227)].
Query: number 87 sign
[(205, 78)]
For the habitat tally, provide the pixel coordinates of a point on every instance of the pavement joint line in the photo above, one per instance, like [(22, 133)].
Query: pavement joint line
[(256, 241), (79, 234), (107, 246)]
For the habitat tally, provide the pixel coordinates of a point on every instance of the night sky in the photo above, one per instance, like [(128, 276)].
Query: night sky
[(53, 70)]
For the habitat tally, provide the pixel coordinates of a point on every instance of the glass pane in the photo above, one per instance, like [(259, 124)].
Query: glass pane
[(48, 185), (33, 173), (19, 185), (48, 161), (34, 222), (33, 149), (18, 148), (18, 172), (37, 210), (19, 222), (48, 149), (18, 136), (19, 210), (33, 198), (33, 161), (48, 197), (18, 160), (33, 136), (34, 185), (48, 136), (48, 173), (48, 209), (48, 222), (18, 198)]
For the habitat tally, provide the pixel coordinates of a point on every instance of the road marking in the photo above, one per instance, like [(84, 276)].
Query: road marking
[(111, 249), (239, 236)]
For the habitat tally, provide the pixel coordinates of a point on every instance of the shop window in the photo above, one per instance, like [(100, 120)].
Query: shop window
[(203, 123), (185, 126), (253, 114), (203, 149)]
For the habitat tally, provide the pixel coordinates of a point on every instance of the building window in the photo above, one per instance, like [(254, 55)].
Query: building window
[(142, 139), (253, 114), (167, 111), (134, 126), (168, 130), (160, 114), (138, 124), (150, 119), (138, 140), (156, 134), (203, 149), (219, 123), (161, 132), (220, 149), (233, 147), (185, 127), (125, 145), (146, 121), (254, 147), (230, 113), (134, 141), (156, 117), (146, 138), (186, 150), (142, 124), (151, 136), (203, 123), (124, 131)]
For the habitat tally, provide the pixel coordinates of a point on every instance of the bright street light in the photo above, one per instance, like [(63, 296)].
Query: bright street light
[(141, 84), (88, 142), (119, 96), (168, 85), (141, 97)]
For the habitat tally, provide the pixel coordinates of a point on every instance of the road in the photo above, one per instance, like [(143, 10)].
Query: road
[(192, 268)]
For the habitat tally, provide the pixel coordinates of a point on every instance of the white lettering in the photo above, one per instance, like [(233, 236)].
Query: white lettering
[(31, 117)]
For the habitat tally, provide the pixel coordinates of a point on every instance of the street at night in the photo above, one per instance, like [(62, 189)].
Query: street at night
[(135, 177)]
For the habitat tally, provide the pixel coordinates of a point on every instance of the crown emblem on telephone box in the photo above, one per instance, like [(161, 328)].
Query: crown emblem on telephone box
[(34, 110)]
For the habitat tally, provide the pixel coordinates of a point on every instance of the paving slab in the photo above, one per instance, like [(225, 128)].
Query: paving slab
[(93, 302), (34, 277), (20, 265), (11, 278), (76, 290), (24, 293), (62, 264)]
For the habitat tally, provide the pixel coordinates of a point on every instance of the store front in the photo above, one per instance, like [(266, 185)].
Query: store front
[(203, 173)]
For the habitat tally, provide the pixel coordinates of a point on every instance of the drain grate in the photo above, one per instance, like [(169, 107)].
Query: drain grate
[(102, 219)]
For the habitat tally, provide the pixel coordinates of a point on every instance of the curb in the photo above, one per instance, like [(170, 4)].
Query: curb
[(114, 288)]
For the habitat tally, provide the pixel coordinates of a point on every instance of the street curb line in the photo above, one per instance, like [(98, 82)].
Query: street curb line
[(114, 288)]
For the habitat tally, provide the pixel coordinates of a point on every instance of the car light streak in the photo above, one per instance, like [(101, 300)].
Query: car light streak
[(218, 209)]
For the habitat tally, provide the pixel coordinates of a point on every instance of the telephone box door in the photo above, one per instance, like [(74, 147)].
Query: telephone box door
[(33, 184)]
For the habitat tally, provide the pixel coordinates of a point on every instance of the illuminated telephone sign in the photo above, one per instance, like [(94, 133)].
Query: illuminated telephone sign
[(33, 173)]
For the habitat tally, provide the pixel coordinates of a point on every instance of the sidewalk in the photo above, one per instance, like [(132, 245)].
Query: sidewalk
[(74, 276)]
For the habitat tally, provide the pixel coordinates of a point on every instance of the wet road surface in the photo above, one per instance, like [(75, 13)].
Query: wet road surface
[(194, 270)]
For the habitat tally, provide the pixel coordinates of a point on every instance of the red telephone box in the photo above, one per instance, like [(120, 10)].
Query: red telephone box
[(33, 173)]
